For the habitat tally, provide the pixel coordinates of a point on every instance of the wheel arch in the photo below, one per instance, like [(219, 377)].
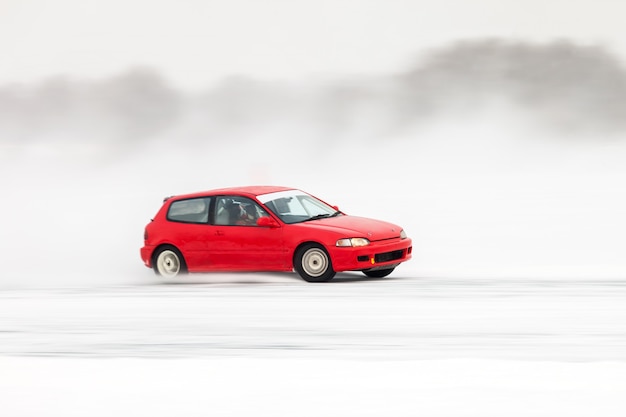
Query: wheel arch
[(305, 243), (162, 246)]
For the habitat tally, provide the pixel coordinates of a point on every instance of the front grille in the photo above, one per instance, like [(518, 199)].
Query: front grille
[(389, 256)]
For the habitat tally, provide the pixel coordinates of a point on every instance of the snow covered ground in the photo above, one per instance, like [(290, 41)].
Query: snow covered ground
[(278, 315), (270, 344)]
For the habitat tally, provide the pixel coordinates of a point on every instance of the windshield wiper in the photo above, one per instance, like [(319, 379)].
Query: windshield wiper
[(318, 216), (322, 216)]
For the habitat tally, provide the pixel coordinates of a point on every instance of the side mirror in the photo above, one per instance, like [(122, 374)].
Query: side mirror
[(336, 208), (266, 221)]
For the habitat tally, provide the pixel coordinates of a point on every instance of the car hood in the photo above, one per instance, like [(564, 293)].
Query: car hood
[(353, 226)]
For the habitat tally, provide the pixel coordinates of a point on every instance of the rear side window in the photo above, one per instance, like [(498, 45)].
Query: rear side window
[(194, 210)]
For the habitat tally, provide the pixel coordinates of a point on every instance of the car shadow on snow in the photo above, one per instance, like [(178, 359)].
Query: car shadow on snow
[(212, 278), (348, 277), (251, 278)]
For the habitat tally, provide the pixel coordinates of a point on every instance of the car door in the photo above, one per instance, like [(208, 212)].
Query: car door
[(240, 243)]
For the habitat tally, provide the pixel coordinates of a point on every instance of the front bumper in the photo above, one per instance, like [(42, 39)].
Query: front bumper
[(377, 255)]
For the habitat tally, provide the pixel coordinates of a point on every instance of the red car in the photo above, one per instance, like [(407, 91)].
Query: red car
[(266, 228)]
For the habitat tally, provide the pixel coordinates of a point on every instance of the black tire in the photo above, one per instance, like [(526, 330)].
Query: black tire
[(378, 273), (313, 263), (168, 262)]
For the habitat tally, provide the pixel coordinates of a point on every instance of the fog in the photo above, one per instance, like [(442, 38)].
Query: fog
[(498, 158)]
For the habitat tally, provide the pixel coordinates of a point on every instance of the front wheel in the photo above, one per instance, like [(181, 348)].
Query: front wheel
[(168, 262), (378, 273), (313, 263)]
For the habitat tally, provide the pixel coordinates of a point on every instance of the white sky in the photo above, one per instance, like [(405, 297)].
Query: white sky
[(196, 42)]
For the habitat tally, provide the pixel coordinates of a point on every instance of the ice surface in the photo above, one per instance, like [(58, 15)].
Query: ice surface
[(402, 317), (308, 387), (255, 345)]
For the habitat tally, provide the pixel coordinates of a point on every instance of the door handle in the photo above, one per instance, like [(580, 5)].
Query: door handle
[(219, 233)]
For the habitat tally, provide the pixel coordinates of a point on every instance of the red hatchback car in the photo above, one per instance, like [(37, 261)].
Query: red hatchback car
[(266, 228)]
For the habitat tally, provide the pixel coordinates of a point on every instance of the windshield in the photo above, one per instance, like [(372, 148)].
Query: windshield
[(295, 206)]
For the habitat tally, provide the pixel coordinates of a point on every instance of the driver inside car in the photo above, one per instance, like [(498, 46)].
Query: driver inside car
[(248, 215)]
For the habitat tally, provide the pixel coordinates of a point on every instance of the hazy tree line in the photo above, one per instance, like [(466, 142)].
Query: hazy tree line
[(561, 86)]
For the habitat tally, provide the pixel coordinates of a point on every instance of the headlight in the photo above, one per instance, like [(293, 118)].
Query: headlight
[(355, 241), (403, 234)]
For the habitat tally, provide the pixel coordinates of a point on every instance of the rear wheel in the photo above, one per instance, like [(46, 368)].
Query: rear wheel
[(168, 262), (378, 273), (313, 263)]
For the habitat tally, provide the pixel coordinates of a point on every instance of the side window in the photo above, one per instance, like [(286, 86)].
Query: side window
[(195, 210), (237, 211)]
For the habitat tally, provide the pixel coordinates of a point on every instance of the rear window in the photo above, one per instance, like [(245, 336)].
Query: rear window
[(194, 210)]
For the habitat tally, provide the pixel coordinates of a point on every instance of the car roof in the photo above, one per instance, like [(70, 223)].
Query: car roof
[(250, 191)]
